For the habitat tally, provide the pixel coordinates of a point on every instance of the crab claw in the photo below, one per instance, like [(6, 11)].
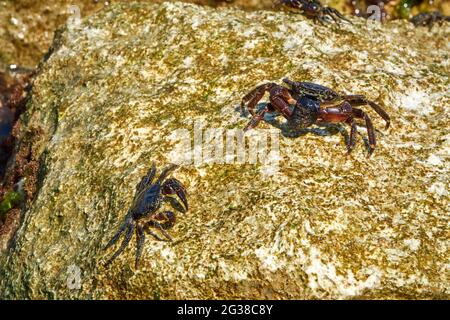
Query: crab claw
[(171, 187)]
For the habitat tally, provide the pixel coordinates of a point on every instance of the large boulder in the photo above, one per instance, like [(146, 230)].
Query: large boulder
[(130, 85)]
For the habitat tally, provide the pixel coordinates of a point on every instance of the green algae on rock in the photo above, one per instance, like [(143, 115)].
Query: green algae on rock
[(116, 88), (10, 200)]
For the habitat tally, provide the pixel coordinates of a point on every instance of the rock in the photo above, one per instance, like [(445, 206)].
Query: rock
[(126, 86), (27, 27)]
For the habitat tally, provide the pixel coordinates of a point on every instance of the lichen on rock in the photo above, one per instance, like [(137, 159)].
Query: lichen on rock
[(117, 87)]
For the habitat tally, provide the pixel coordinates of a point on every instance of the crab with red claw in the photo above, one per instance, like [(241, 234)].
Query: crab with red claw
[(313, 103), (143, 213), (314, 9)]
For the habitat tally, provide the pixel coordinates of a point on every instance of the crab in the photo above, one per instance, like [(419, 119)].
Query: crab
[(313, 103), (314, 9), (143, 213), (429, 19)]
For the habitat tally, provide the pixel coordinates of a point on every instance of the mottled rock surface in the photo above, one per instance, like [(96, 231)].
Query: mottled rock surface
[(27, 26), (324, 225)]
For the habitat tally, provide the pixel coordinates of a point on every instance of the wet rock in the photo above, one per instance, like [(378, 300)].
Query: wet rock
[(13, 94), (6, 119), (6, 124), (126, 86)]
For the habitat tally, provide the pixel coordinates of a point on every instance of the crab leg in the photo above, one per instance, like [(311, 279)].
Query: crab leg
[(164, 232), (160, 227), (360, 100), (168, 220), (140, 238), (147, 179), (127, 239), (256, 119), (321, 19), (370, 131), (165, 173), (254, 96), (292, 3), (333, 12), (125, 224), (154, 235), (352, 139)]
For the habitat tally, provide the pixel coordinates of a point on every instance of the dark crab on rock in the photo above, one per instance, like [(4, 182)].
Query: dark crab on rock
[(313, 103), (143, 213), (314, 9)]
